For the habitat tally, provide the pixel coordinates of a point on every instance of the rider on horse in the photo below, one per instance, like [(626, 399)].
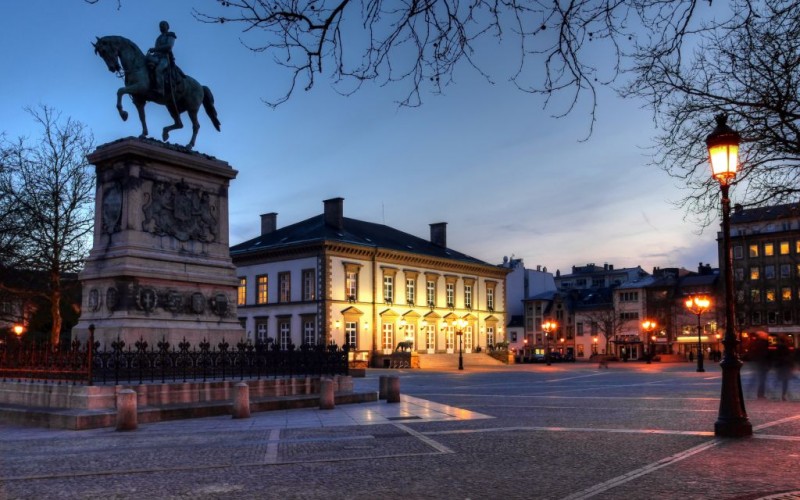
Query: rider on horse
[(160, 57)]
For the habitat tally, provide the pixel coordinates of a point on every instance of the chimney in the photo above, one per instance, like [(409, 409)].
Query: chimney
[(334, 213), (269, 223), (439, 234)]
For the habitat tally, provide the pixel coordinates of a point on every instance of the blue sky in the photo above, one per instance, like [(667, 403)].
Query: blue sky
[(487, 159)]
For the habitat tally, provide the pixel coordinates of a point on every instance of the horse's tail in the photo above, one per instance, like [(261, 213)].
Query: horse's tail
[(208, 105)]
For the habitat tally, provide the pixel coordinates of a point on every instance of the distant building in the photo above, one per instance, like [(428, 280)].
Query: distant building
[(335, 279), (766, 270), (593, 276), (522, 283)]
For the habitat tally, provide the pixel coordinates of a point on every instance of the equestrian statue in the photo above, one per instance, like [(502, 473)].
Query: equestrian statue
[(155, 77)]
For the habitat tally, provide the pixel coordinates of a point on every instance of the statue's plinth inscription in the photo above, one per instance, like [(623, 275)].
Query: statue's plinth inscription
[(160, 264)]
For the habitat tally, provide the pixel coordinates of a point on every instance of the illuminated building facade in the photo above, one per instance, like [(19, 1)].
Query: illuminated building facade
[(333, 279)]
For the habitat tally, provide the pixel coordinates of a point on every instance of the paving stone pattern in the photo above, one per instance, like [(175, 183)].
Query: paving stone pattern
[(567, 431)]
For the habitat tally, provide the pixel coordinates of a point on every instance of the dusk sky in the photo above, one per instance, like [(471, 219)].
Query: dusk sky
[(487, 159)]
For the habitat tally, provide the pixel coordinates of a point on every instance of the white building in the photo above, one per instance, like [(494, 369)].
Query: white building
[(522, 283), (336, 279)]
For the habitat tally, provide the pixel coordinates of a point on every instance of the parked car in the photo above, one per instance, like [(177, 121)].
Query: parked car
[(569, 357), (556, 357)]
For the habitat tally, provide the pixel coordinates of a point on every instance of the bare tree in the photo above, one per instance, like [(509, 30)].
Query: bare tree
[(49, 187), (607, 320), (559, 48), (749, 68)]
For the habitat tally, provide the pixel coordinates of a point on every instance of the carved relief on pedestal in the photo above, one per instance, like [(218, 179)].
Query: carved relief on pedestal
[(111, 211), (94, 299), (112, 298), (178, 210)]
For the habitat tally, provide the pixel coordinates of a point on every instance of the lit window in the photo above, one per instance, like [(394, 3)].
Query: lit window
[(351, 285), (786, 293), (468, 296), (769, 293), (262, 289), (753, 250), (388, 289), (754, 273), (411, 290), (388, 336), (769, 249), (241, 298), (784, 247), (351, 333)]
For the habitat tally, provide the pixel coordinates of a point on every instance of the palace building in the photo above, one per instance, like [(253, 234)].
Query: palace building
[(333, 279)]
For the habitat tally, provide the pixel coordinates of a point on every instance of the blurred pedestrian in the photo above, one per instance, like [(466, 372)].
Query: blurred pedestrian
[(784, 366), (760, 355)]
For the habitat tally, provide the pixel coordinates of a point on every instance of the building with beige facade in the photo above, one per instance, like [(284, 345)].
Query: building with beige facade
[(333, 279)]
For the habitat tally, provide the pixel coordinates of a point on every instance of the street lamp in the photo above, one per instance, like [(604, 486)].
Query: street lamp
[(461, 323), (698, 304), (548, 327), (648, 326), (18, 329), (723, 153)]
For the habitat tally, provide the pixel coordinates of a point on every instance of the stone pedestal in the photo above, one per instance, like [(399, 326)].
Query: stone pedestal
[(160, 264)]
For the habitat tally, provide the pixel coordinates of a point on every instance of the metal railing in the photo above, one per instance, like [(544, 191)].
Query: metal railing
[(163, 362)]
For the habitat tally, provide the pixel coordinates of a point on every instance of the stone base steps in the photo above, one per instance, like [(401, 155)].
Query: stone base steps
[(446, 361)]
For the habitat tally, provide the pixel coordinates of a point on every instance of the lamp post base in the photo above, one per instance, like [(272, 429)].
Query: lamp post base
[(736, 428)]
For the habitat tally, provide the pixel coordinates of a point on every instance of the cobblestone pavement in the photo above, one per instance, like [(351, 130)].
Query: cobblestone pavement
[(568, 431)]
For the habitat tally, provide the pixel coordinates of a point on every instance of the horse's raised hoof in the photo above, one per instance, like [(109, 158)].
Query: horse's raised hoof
[(124, 115), (165, 136), (142, 136), (190, 145)]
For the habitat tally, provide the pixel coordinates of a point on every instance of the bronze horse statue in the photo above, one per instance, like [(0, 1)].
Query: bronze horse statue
[(186, 94)]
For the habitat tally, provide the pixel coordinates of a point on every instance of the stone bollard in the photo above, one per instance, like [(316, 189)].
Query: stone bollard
[(127, 417), (326, 394), (241, 400), (393, 390), (383, 386)]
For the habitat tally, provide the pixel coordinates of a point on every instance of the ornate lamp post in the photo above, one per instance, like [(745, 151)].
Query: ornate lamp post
[(723, 153), (698, 304), (648, 326), (461, 324), (548, 327)]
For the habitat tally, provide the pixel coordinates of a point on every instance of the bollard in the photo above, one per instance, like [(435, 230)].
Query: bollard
[(383, 386), (241, 400), (393, 390), (326, 399), (127, 417)]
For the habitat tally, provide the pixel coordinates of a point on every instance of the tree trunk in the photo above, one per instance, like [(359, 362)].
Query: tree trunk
[(55, 308)]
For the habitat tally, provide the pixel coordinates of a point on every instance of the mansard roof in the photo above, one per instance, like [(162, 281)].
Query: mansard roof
[(762, 214), (354, 232)]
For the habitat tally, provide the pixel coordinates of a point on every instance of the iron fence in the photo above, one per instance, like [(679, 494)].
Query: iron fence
[(163, 362)]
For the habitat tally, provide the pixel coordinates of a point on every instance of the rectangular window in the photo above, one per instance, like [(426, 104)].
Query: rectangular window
[(285, 334), (468, 296), (786, 293), (580, 351), (756, 318), (772, 317), (309, 331), (261, 330), (489, 335), (410, 335), (351, 333), (430, 291), (784, 247), (411, 291), (450, 291), (262, 289), (769, 293), (797, 247), (786, 270), (755, 295), (388, 336), (241, 297), (490, 299), (738, 274), (351, 285), (769, 272), (388, 289), (737, 252), (629, 297), (579, 329), (754, 273), (769, 249), (309, 285), (753, 250), (787, 316), (284, 287)]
